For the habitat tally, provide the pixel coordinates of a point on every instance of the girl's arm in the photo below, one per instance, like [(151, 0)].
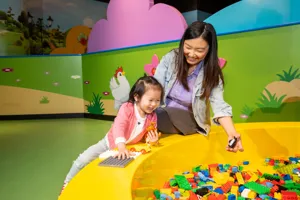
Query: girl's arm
[(120, 125)]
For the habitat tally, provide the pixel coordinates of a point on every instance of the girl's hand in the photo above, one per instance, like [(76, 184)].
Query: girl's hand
[(238, 146), (123, 151), (152, 136)]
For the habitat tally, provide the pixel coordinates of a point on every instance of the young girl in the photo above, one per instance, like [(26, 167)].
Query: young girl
[(129, 125)]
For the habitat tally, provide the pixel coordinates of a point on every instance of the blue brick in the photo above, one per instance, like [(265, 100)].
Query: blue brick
[(246, 163), (231, 197), (269, 184), (219, 191)]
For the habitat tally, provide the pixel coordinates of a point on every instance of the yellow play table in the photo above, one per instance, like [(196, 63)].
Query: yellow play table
[(178, 154)]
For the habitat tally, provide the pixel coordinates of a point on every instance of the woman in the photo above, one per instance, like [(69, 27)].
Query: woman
[(192, 78)]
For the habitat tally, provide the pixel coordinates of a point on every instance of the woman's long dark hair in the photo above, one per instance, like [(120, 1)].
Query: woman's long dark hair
[(212, 70)]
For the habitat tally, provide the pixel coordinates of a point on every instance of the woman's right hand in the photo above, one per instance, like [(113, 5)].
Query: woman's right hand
[(122, 151)]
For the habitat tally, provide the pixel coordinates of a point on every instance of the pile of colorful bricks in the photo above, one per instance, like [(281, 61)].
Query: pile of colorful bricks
[(223, 181)]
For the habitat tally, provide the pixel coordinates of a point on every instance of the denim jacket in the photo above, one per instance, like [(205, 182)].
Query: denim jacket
[(166, 74)]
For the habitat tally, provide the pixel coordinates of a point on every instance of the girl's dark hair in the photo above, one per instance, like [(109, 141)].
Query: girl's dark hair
[(212, 70), (141, 86)]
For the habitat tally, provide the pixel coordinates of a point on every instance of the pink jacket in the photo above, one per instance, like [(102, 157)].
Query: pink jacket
[(124, 124)]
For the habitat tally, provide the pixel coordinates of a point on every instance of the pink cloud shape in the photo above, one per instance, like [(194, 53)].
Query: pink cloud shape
[(136, 22)]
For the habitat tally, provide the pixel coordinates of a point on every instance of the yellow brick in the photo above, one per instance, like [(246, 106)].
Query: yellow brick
[(254, 178), (181, 190), (189, 175), (296, 178), (167, 191), (234, 190), (186, 194), (204, 167), (252, 195), (221, 178), (239, 178), (231, 179), (277, 195), (262, 179)]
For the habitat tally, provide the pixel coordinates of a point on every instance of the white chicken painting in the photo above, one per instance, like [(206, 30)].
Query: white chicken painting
[(120, 90)]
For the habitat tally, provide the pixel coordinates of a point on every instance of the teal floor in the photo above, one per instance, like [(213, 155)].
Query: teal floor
[(35, 155)]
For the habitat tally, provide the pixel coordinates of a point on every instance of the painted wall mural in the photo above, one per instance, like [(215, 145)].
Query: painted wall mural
[(143, 23), (41, 85), (279, 100), (75, 42), (119, 87), (35, 27), (254, 15), (262, 76), (42, 27), (151, 67)]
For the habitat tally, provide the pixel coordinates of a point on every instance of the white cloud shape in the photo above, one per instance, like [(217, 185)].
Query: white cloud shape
[(89, 22), (75, 77)]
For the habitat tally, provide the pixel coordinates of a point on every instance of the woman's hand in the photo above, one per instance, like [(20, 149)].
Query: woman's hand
[(238, 146), (228, 126), (152, 136), (122, 151)]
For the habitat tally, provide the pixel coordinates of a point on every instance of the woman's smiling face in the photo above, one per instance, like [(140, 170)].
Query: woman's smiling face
[(195, 50)]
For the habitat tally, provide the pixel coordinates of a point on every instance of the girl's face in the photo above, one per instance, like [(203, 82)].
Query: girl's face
[(195, 50), (149, 101)]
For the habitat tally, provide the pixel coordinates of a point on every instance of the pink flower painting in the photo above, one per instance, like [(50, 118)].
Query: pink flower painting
[(222, 62), (151, 67)]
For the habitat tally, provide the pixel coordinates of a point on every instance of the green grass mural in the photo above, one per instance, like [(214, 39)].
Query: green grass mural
[(57, 74), (270, 101), (290, 75), (44, 100), (96, 106), (277, 107)]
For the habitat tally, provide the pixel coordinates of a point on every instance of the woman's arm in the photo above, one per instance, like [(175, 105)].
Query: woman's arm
[(223, 116), (162, 68), (227, 124), (220, 107)]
